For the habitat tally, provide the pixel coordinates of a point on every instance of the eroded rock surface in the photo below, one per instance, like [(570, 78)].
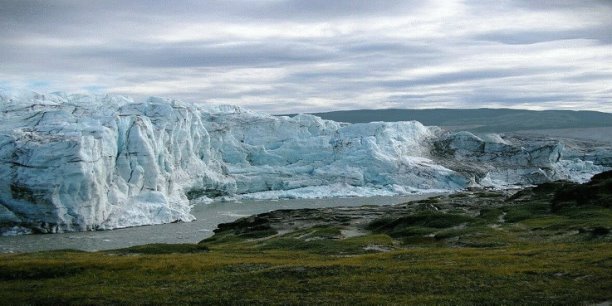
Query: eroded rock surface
[(560, 211)]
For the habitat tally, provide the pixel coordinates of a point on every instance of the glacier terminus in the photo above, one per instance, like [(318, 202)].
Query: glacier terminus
[(81, 162)]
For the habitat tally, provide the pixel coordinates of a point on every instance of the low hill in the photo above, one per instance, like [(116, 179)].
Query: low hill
[(479, 120)]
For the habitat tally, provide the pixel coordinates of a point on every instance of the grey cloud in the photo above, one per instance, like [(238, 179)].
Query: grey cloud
[(248, 54), (562, 4), (601, 34), (347, 65), (370, 60), (590, 77), (209, 55), (484, 97), (469, 75), (405, 97), (390, 48), (77, 16), (324, 9)]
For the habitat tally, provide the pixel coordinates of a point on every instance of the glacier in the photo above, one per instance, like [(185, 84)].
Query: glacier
[(71, 162)]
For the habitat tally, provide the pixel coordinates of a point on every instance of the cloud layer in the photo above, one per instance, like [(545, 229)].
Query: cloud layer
[(305, 56)]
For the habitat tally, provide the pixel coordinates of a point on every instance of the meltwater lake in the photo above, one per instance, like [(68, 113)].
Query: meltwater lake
[(208, 217)]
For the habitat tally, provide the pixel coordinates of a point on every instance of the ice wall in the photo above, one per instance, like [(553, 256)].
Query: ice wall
[(75, 162)]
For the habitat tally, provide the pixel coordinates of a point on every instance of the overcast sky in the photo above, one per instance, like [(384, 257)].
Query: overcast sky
[(316, 55)]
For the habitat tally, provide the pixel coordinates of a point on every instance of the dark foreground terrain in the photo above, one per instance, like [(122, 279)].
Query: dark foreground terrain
[(545, 245)]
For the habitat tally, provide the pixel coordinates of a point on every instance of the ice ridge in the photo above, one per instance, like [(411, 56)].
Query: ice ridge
[(81, 162)]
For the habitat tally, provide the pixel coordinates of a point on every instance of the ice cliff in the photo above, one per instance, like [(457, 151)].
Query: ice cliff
[(76, 162)]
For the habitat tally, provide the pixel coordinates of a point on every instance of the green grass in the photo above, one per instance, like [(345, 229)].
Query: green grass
[(162, 248), (519, 262), (522, 274), (350, 246), (526, 211), (417, 223), (526, 250)]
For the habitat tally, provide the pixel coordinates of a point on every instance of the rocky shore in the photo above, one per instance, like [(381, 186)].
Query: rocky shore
[(559, 211)]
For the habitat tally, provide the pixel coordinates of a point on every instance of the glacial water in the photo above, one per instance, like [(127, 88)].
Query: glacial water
[(208, 217)]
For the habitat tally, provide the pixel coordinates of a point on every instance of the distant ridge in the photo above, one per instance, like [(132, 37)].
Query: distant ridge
[(479, 120)]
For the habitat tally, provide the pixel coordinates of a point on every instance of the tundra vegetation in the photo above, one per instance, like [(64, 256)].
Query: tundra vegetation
[(549, 244)]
